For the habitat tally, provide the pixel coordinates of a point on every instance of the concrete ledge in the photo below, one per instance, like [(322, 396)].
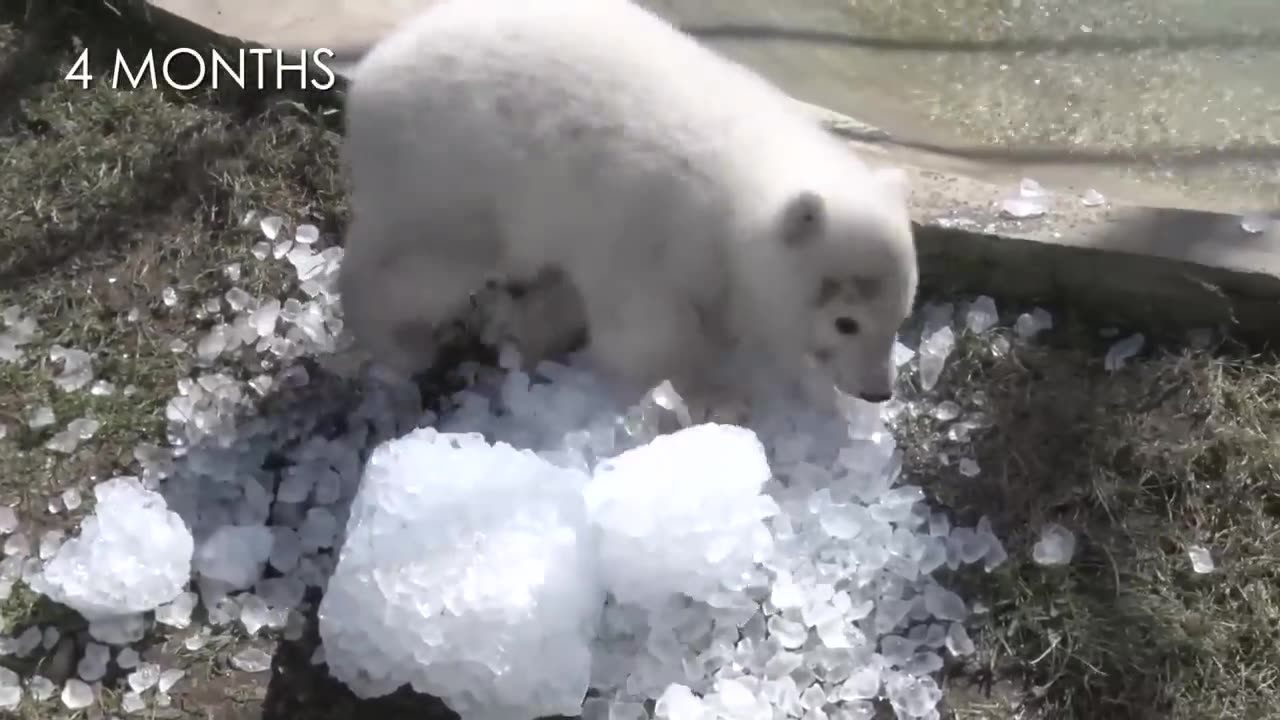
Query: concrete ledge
[(1164, 270)]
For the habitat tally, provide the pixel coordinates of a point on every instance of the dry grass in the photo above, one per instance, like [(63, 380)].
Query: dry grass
[(1180, 448), (109, 196)]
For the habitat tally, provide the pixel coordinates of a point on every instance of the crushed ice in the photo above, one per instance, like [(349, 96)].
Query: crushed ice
[(785, 568)]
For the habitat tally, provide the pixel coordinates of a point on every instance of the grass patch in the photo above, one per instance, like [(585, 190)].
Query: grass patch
[(1178, 449)]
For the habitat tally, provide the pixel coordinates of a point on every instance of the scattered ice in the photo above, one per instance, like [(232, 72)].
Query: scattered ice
[(19, 330), (169, 678), (77, 368), (307, 234), (1028, 325), (1122, 351), (71, 499), (1092, 198), (1020, 208), (8, 520), (41, 417), (1201, 560), (41, 688), (251, 660), (1029, 188), (177, 612), (958, 642), (981, 315), (131, 555), (1256, 223), (131, 702), (127, 658), (77, 431), (271, 225), (144, 678), (935, 348), (1055, 546), (18, 545), (10, 689), (28, 641), (76, 695), (50, 638)]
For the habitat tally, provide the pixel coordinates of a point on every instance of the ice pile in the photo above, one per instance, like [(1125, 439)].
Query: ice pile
[(680, 570), (467, 573), (780, 569), (131, 555)]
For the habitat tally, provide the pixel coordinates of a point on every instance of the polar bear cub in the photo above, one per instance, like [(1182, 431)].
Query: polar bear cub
[(692, 206)]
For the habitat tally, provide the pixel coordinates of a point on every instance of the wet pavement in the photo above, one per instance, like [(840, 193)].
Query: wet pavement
[(1156, 102), (1169, 102)]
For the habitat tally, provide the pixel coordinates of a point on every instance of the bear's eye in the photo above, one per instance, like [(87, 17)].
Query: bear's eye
[(846, 325)]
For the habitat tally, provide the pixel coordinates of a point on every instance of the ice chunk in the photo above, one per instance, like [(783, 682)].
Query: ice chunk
[(1201, 560), (270, 226), (1055, 546), (177, 612), (132, 554), (118, 630), (131, 702), (912, 697), (678, 702), (71, 499), (77, 695), (41, 688), (935, 348), (77, 431), (1092, 198), (169, 678), (1029, 188), (1122, 351), (10, 689), (467, 573), (41, 417), (1256, 223), (254, 613), (77, 368), (981, 315), (8, 520), (1020, 208), (234, 555), (251, 660), (18, 330), (968, 467), (682, 514), (306, 234), (127, 658), (944, 604), (1028, 325), (144, 678)]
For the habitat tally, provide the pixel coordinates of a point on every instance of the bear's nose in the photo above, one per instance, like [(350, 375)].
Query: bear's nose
[(876, 397)]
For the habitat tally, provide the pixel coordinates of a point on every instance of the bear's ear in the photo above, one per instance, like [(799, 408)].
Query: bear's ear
[(803, 219), (895, 180)]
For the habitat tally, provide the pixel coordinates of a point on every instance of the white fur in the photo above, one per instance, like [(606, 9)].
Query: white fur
[(499, 138)]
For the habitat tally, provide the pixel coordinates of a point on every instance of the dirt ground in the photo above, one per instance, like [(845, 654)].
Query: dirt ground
[(109, 196)]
